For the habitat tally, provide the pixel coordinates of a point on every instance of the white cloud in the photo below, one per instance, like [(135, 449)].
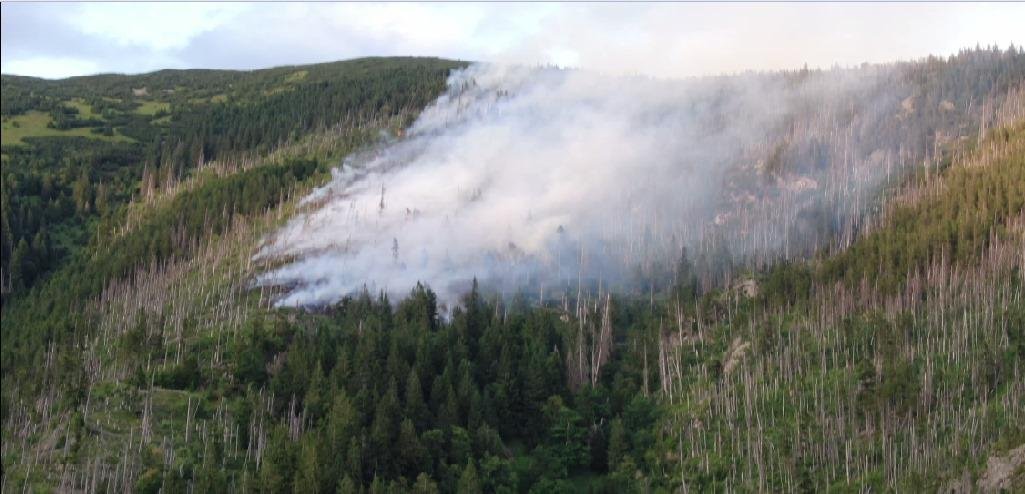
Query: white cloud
[(657, 39), (50, 68), (695, 39), (160, 26)]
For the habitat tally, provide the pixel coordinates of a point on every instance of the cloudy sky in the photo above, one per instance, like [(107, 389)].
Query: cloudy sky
[(671, 40)]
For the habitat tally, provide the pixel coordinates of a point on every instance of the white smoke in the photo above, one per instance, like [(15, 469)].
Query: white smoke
[(535, 177)]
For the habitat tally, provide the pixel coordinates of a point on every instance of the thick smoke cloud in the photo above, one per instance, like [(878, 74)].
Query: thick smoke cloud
[(538, 178)]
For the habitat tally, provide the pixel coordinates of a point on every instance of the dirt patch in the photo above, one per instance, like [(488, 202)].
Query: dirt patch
[(1000, 470)]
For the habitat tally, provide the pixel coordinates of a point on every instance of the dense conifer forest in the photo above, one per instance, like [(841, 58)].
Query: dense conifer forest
[(138, 356)]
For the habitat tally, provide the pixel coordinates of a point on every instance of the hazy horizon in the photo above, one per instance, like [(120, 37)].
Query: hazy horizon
[(538, 65), (58, 40)]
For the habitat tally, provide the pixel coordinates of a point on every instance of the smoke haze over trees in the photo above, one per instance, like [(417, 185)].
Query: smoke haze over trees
[(533, 179)]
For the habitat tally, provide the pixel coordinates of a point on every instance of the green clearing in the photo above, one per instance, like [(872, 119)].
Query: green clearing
[(152, 107), (85, 110), (217, 98), (297, 76), (34, 124)]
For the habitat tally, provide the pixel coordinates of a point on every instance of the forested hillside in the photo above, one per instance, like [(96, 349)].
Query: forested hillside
[(138, 355), (77, 149)]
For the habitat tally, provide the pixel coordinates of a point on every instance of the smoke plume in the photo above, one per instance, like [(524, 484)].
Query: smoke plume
[(541, 178)]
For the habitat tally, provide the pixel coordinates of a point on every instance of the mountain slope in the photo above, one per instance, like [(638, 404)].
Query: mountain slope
[(141, 358), (891, 365), (80, 148)]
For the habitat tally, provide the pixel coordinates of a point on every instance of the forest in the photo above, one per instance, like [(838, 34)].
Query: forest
[(138, 356)]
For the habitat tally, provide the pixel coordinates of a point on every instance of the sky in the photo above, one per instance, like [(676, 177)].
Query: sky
[(55, 40)]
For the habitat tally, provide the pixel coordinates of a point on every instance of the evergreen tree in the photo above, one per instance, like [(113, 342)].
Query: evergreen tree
[(83, 192), (415, 409), (410, 452), (347, 486), (277, 464), (469, 482), (425, 485), (315, 393), (22, 269), (308, 476), (619, 445)]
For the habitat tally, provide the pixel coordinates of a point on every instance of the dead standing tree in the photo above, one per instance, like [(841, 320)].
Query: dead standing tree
[(591, 343)]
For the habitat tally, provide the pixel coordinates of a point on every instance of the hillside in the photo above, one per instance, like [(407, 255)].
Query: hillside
[(77, 149), (882, 352)]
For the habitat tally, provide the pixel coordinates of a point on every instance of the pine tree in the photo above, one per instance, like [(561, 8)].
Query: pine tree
[(619, 445), (41, 250), (415, 408), (82, 192), (307, 476), (411, 452), (314, 399), (384, 429), (378, 486), (449, 413), (469, 482), (346, 486), (103, 199), (425, 485), (22, 270), (277, 464)]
